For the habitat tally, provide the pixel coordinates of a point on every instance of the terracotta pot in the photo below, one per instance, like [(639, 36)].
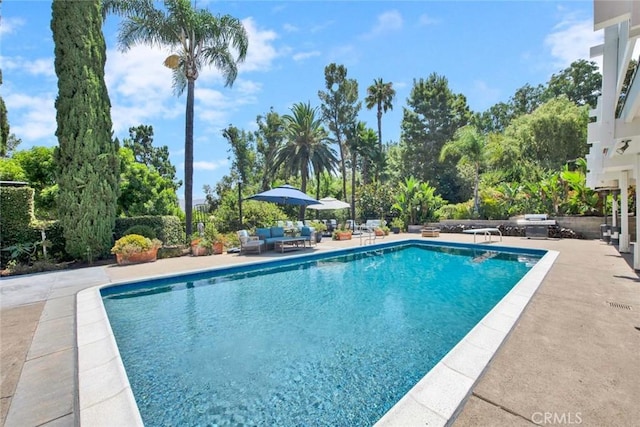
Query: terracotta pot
[(148, 256), (379, 233), (198, 250), (218, 248), (344, 236)]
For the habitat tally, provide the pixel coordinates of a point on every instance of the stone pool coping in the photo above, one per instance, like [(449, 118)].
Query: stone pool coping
[(105, 393)]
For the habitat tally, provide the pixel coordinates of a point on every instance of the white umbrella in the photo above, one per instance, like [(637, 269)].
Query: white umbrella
[(329, 203)]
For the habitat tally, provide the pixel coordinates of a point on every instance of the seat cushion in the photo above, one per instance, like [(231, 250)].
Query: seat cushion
[(263, 233), (305, 231), (277, 232)]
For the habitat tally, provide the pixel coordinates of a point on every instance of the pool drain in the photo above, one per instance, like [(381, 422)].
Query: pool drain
[(618, 305)]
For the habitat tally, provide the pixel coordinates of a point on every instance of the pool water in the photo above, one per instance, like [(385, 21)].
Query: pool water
[(334, 341)]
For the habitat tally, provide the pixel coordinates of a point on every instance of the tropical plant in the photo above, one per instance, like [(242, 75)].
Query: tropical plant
[(199, 39), (307, 146), (468, 145), (380, 95)]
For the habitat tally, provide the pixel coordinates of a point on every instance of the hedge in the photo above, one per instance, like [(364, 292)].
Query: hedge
[(168, 228)]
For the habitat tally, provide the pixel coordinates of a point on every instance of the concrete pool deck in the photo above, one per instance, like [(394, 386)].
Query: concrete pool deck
[(571, 358)]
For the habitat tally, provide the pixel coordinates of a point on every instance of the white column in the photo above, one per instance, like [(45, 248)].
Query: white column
[(624, 212), (636, 249)]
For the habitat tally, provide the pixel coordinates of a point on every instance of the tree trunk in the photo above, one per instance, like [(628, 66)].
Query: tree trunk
[(188, 158), (343, 168), (380, 125), (353, 186)]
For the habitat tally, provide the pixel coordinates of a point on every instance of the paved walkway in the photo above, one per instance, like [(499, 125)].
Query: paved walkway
[(571, 359)]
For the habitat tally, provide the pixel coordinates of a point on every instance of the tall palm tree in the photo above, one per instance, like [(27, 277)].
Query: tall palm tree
[(469, 146), (306, 148), (198, 39), (380, 95)]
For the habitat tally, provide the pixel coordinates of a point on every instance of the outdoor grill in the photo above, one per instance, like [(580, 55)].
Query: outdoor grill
[(536, 225)]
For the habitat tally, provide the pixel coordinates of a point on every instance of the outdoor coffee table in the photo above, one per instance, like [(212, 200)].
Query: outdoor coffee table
[(292, 243)]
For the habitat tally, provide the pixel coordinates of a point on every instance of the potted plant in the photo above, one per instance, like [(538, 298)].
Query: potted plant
[(319, 228), (216, 239), (134, 248), (200, 246), (397, 225), (343, 233)]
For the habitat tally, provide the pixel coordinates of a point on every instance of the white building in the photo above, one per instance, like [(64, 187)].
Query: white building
[(614, 156)]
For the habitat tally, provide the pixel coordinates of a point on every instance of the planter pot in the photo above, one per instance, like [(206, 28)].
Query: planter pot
[(395, 230), (318, 237), (199, 251), (218, 248), (379, 233), (344, 236), (148, 256)]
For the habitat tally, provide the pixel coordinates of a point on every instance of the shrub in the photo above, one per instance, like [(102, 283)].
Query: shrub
[(168, 228), (143, 230), (133, 244)]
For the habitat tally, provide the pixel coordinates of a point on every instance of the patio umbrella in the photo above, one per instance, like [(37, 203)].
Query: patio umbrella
[(329, 203), (284, 195)]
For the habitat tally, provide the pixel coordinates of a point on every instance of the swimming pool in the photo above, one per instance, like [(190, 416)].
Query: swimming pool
[(350, 355)]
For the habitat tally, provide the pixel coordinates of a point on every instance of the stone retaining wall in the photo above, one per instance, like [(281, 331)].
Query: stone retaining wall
[(568, 227)]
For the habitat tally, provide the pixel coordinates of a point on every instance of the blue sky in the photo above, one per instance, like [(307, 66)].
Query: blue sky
[(486, 50)]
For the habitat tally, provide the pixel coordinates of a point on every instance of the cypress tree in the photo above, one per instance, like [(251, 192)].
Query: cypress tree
[(86, 156)]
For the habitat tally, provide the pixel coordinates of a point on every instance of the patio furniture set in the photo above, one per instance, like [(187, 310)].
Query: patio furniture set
[(276, 238)]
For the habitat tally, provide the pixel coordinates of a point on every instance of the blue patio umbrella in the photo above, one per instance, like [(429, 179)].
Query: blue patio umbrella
[(285, 195)]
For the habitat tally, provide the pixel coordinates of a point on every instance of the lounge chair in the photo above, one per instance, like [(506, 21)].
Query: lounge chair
[(309, 234), (249, 243)]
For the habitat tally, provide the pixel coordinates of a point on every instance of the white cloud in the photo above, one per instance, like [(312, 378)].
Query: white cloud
[(425, 20), (321, 27), (210, 166), (571, 40), (289, 28), (140, 87), (32, 118), (38, 67), (10, 25), (387, 22), (261, 52), (301, 56)]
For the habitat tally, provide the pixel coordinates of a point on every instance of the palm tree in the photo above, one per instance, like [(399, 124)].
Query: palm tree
[(198, 39), (380, 94), (306, 148), (469, 146)]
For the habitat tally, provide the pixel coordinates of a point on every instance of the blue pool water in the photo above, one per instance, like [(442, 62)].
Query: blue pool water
[(334, 341)]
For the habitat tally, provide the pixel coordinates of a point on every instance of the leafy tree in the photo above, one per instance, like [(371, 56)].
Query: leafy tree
[(549, 137), (380, 95), (468, 145), (432, 116), (243, 161), (581, 83), (40, 171), (143, 191), (269, 137), (4, 125), (86, 156), (340, 108), (199, 38), (11, 170), (307, 145), (374, 201), (140, 142)]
